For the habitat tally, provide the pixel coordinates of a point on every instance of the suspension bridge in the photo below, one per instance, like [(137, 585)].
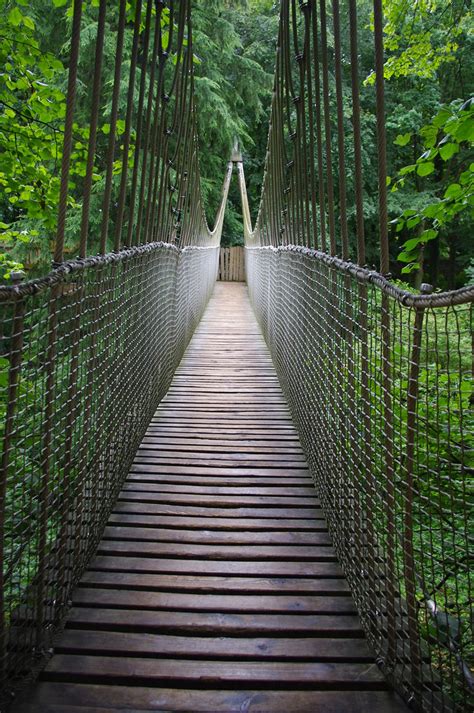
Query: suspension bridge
[(232, 497)]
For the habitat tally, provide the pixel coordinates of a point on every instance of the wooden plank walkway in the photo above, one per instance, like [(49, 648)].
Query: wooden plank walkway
[(215, 586)]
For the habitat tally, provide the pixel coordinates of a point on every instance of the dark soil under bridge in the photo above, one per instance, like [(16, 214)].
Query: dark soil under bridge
[(215, 586)]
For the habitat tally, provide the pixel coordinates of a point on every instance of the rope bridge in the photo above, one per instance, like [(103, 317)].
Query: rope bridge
[(378, 379)]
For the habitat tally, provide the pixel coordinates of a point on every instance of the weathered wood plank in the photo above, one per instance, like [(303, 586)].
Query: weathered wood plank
[(57, 697), (240, 568), (191, 623), (194, 481), (235, 553), (239, 603), (96, 669), (217, 469), (125, 644), (215, 537), (210, 510), (212, 585), (218, 523), (218, 501)]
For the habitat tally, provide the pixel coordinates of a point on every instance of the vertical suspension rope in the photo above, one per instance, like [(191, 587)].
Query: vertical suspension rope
[(97, 81), (359, 201), (67, 144), (104, 230), (139, 130), (327, 128), (128, 126), (340, 131), (381, 137)]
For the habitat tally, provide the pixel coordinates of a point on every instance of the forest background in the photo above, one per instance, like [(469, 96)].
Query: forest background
[(430, 125)]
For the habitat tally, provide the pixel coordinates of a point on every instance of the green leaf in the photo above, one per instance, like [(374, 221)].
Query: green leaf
[(441, 118), (410, 268), (429, 134), (432, 210), (15, 17), (28, 22), (425, 169), (410, 245), (402, 139), (59, 3), (406, 256), (448, 150), (465, 129), (429, 234), (453, 191)]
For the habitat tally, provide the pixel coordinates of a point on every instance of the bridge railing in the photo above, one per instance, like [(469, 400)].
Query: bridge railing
[(378, 378), (88, 351), (386, 423)]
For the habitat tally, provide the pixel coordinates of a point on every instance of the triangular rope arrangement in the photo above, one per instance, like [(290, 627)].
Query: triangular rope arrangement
[(378, 379)]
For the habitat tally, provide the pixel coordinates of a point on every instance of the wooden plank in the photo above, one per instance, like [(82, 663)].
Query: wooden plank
[(227, 568), (239, 603), (191, 623), (297, 492), (145, 672), (212, 585), (235, 553), (196, 480), (57, 697), (219, 470), (147, 508), (241, 537), (164, 453), (283, 436), (176, 446), (243, 392), (218, 523), (149, 495), (232, 460), (162, 646)]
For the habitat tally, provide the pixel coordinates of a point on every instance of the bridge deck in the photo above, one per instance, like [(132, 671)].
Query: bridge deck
[(215, 587)]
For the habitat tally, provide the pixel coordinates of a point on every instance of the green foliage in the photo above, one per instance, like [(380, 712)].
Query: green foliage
[(32, 113), (421, 37), (430, 72), (33, 105), (448, 141)]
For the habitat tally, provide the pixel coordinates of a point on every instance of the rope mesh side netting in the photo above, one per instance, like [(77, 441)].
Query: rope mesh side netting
[(379, 380), (89, 351)]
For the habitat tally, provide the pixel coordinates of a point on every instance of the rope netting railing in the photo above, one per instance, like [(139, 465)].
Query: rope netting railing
[(379, 379), (88, 351)]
